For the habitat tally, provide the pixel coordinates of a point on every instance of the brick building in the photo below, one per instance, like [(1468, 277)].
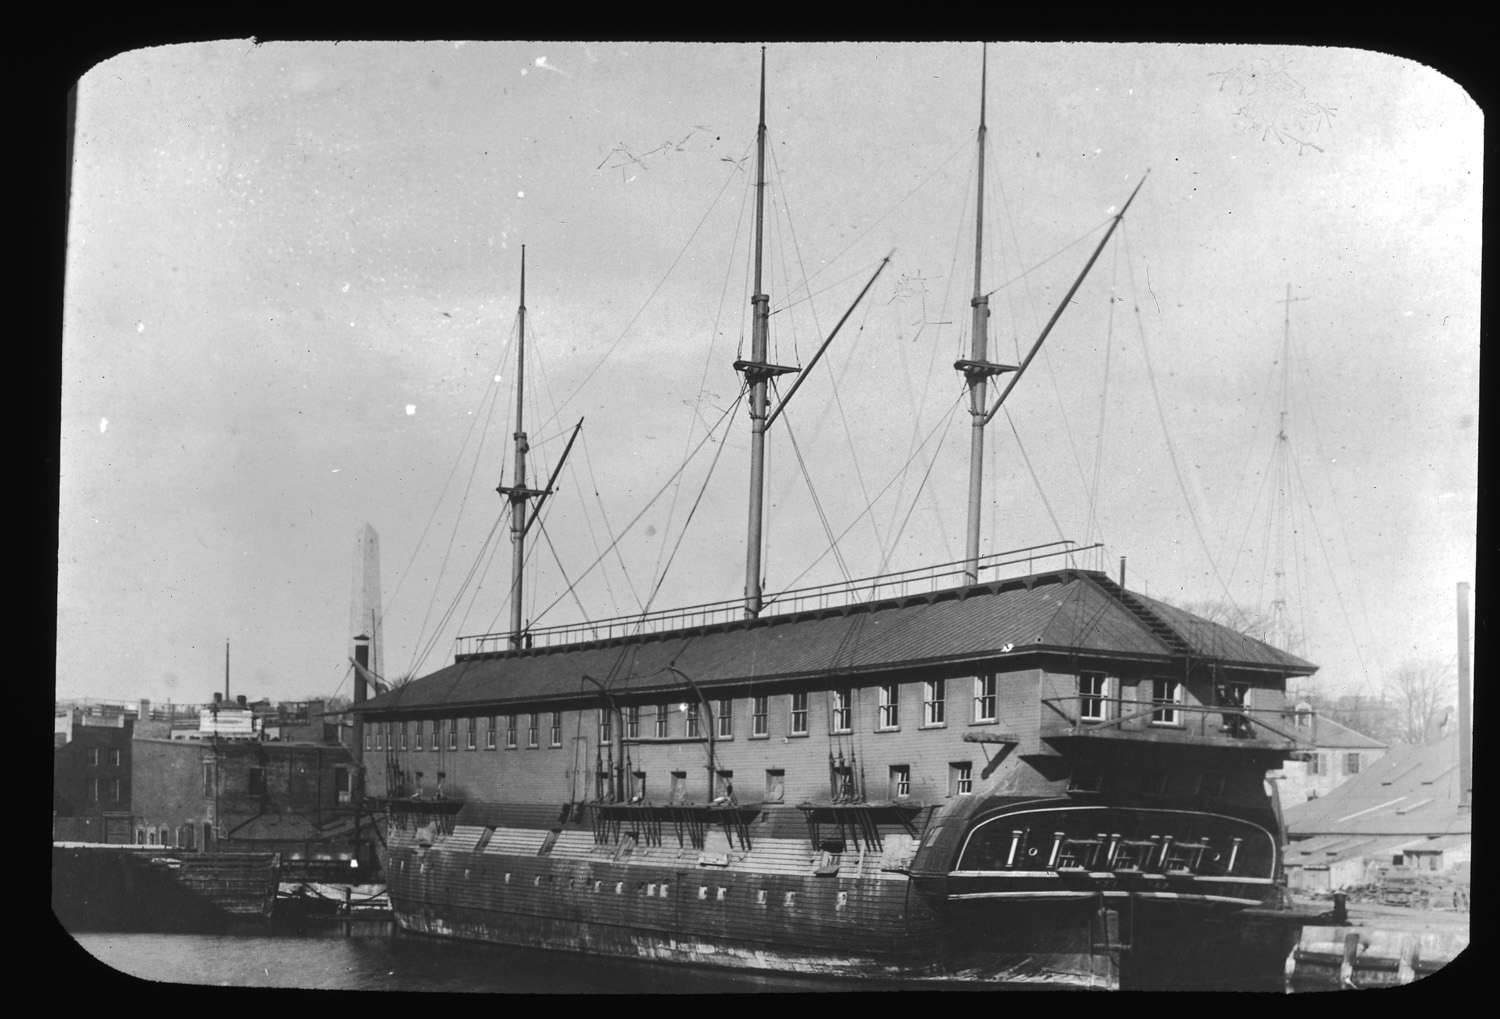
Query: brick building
[(91, 774)]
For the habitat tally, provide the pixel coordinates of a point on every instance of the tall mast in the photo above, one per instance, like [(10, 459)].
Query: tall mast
[(1280, 635), (518, 493), (757, 372), (978, 368)]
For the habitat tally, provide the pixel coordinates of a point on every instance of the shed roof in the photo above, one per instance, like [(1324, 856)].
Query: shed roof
[(1410, 790), (1068, 611)]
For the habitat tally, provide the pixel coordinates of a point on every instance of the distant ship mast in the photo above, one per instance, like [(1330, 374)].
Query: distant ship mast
[(1281, 628)]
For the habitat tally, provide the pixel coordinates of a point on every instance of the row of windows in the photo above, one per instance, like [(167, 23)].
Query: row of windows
[(394, 735), (1318, 764), (104, 790), (110, 756), (960, 783)]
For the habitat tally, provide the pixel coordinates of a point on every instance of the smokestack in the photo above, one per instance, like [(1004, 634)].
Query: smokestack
[(1465, 737), (361, 693), (226, 670), (241, 700)]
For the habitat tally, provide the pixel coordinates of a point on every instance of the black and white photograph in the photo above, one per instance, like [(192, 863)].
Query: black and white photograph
[(691, 517)]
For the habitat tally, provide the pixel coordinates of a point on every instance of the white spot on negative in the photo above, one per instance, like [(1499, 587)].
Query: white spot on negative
[(104, 422), (140, 327), (346, 288), (411, 409), (520, 194)]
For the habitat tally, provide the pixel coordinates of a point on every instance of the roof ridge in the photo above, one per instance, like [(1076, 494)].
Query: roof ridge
[(1137, 607)]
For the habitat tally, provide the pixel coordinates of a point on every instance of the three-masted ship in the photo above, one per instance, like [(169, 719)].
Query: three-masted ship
[(990, 771)]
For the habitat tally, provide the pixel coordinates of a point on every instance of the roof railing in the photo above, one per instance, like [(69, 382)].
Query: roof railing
[(923, 580)]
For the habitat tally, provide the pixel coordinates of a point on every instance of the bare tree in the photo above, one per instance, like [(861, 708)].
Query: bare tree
[(1422, 691)]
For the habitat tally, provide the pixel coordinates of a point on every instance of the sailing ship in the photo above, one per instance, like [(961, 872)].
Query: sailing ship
[(978, 772)]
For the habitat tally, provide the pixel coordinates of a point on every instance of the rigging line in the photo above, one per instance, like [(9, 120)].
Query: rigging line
[(649, 298), (791, 227), (608, 529), (422, 652), (593, 535), (922, 485), (652, 501), (1109, 345), (683, 533), (1338, 596), (883, 216), (492, 391), (848, 432), (838, 556), (958, 237), (1034, 479), (1171, 451), (1265, 397), (1309, 406), (542, 524), (1056, 254), (1265, 476), (856, 273), (899, 471)]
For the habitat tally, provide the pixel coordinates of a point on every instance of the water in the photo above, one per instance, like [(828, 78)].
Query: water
[(382, 962)]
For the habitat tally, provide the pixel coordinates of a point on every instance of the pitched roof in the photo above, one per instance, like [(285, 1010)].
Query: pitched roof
[(1069, 611), (1330, 735), (1410, 790)]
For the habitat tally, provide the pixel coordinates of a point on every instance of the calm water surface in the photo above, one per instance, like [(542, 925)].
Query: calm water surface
[(381, 962)]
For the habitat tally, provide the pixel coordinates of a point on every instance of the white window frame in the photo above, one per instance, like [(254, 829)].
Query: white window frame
[(724, 719), (888, 714), (1164, 705), (797, 717), (961, 778), (760, 717), (900, 780), (986, 698), (934, 703), (1097, 698), (841, 719)]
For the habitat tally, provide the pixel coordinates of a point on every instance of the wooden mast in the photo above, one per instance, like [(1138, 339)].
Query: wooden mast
[(978, 369), (757, 372), (518, 493)]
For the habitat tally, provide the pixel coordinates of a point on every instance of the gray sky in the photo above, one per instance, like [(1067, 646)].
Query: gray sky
[(292, 281)]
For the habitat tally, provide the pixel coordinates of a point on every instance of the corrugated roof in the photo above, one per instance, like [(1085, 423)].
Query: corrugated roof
[(1410, 790), (1068, 610)]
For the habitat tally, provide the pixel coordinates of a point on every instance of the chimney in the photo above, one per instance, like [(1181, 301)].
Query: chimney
[(218, 698), (144, 714), (361, 693), (241, 699)]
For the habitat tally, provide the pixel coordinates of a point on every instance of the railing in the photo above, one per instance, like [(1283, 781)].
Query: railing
[(925, 580), (1116, 717)]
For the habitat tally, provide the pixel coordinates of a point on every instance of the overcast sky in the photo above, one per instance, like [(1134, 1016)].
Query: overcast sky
[(293, 274)]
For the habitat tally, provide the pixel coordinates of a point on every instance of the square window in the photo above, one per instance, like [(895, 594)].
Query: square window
[(724, 785), (935, 702), (798, 721), (889, 714), (113, 757), (775, 785), (92, 756), (1351, 764), (984, 698)]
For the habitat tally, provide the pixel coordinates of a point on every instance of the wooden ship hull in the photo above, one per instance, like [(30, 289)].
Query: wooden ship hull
[(975, 772)]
